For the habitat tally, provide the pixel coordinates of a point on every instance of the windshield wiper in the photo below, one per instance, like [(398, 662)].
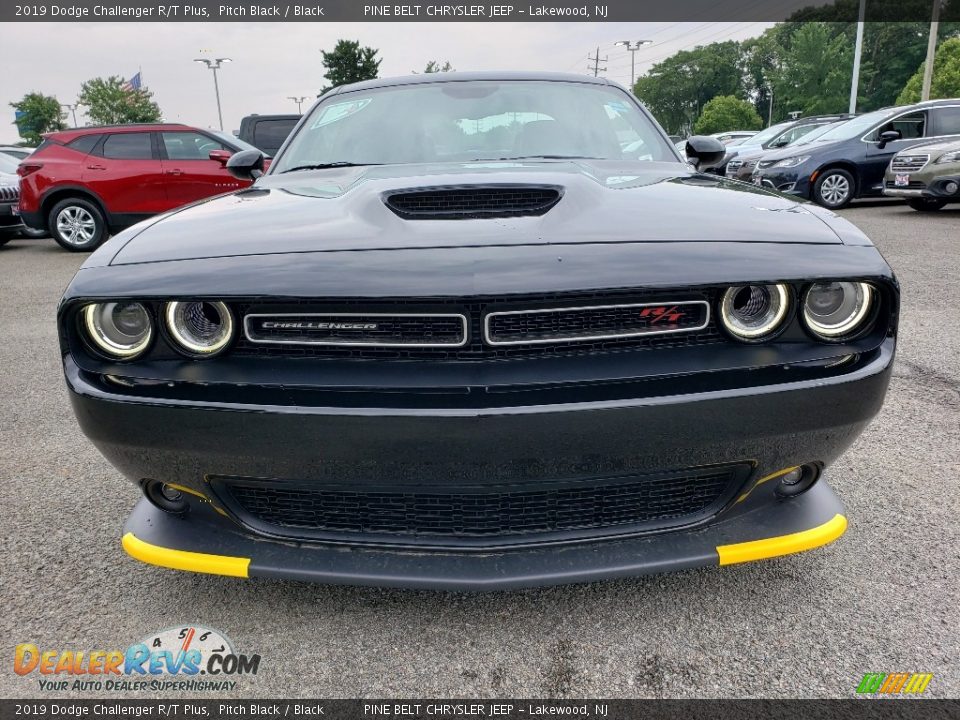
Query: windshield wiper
[(539, 157), (326, 166)]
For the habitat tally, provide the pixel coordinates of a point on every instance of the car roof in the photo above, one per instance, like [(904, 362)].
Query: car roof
[(72, 133), (489, 75)]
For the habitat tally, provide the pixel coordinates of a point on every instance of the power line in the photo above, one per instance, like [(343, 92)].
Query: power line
[(596, 60)]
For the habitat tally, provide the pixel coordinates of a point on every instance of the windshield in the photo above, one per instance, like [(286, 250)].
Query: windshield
[(765, 136), (857, 126), (816, 133), (474, 121)]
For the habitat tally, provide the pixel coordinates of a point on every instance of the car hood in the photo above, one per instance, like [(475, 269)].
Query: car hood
[(344, 209), (810, 148), (934, 148)]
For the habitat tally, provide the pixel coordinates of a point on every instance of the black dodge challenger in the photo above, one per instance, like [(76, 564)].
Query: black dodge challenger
[(479, 331)]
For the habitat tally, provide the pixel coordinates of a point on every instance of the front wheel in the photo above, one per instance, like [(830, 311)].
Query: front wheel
[(926, 204), (833, 189), (77, 225)]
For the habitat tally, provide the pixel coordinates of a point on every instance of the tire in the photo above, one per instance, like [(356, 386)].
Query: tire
[(926, 204), (77, 225), (834, 189)]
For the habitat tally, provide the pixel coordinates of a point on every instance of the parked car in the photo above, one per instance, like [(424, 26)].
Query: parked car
[(849, 161), (85, 183), (16, 152), (742, 166), (928, 176), (10, 222), (776, 136), (450, 356), (267, 132)]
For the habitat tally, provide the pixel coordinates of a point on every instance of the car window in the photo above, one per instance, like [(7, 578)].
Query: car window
[(947, 120), (232, 142), (84, 143), (8, 164), (128, 146), (910, 126), (189, 145), (270, 134), (795, 133), (475, 121)]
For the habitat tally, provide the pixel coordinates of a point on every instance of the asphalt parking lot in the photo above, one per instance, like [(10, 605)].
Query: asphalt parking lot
[(881, 599)]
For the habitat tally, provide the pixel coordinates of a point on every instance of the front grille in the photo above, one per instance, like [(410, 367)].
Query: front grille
[(594, 323), (909, 163), (9, 193), (733, 166), (475, 310), (357, 329), (510, 511), (464, 202), (912, 185)]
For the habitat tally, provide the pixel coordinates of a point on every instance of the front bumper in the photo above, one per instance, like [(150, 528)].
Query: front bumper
[(933, 188), (786, 180), (767, 427)]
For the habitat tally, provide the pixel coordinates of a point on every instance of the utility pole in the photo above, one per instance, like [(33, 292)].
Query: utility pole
[(931, 52), (857, 53), (215, 65), (72, 109), (633, 56), (596, 63), (299, 101)]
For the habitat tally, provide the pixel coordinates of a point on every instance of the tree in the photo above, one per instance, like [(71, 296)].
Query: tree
[(726, 112), (40, 114), (349, 63), (109, 103), (434, 67), (946, 75), (815, 76)]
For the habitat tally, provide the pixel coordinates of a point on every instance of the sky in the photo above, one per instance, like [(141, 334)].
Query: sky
[(272, 61)]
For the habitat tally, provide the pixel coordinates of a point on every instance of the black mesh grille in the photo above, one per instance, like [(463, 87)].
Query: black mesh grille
[(476, 309), (497, 511), (357, 328), (453, 203)]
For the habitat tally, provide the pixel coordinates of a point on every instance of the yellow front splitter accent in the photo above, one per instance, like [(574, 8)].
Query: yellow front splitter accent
[(783, 544), (184, 560)]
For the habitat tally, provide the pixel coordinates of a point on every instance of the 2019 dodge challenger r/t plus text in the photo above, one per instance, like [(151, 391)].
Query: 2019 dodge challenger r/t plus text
[(479, 331)]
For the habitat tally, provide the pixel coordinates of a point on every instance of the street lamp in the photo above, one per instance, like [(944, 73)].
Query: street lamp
[(215, 65), (299, 101), (72, 109), (633, 56)]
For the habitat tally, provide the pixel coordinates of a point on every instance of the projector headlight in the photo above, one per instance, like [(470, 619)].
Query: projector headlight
[(832, 310), (118, 330)]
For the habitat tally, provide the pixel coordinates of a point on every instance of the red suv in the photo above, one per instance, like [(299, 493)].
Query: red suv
[(85, 183)]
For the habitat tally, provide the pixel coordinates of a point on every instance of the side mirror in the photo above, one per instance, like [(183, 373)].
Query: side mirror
[(705, 151), (221, 156), (780, 143), (889, 136), (246, 164)]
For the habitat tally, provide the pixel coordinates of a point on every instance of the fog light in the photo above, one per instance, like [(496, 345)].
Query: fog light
[(951, 187), (166, 497), (798, 480)]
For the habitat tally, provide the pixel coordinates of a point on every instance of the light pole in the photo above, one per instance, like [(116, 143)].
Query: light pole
[(215, 65), (633, 56), (299, 101), (72, 109)]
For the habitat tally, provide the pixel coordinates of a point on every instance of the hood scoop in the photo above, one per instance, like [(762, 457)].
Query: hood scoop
[(469, 202)]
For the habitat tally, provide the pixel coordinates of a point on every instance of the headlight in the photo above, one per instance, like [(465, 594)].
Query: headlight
[(950, 157), (119, 330), (199, 329), (754, 312), (833, 310), (792, 161)]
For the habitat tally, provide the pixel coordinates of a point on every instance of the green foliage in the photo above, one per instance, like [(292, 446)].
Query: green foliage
[(727, 112), (946, 75), (434, 67), (109, 104), (676, 89), (41, 114), (815, 73), (349, 63)]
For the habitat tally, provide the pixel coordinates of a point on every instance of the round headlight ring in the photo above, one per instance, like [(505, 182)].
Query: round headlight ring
[(856, 302), (111, 328), (754, 313), (199, 328)]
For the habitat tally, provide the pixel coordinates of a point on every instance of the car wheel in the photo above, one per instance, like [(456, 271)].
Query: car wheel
[(834, 189), (77, 225), (926, 204)]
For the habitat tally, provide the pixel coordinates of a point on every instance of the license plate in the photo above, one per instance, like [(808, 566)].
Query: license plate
[(901, 180)]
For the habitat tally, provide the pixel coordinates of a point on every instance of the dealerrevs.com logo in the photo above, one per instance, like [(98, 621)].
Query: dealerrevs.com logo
[(186, 658)]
